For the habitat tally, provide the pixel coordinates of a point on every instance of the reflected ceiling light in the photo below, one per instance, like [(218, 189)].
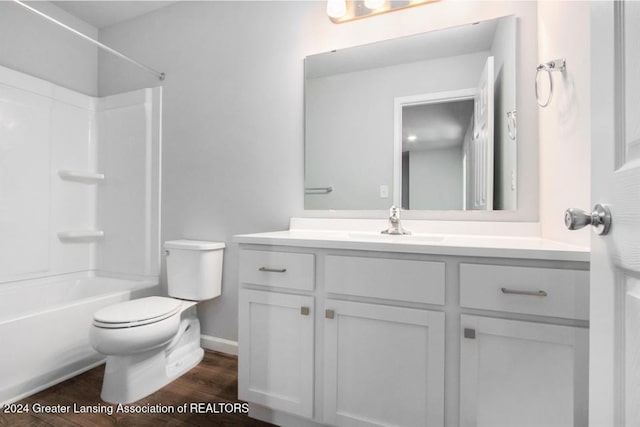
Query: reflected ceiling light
[(412, 138), (340, 11), (336, 8), (373, 4)]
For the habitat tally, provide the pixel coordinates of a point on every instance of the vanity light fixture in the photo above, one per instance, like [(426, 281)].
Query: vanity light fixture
[(340, 11), (373, 4), (336, 9)]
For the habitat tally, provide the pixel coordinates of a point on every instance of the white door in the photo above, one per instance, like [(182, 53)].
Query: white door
[(383, 365), (525, 374), (481, 186), (614, 389), (276, 338)]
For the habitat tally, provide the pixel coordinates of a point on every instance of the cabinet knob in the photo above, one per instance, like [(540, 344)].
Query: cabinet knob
[(304, 311), (470, 333), (329, 314)]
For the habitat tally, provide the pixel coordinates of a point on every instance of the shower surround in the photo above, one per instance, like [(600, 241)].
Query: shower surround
[(79, 221)]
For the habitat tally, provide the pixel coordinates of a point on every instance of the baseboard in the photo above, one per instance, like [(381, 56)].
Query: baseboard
[(219, 344), (279, 418)]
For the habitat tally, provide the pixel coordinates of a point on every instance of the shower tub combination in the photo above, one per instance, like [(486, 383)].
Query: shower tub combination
[(44, 325), (79, 220)]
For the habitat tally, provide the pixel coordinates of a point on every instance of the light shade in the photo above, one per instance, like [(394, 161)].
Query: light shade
[(340, 11), (336, 8), (373, 4)]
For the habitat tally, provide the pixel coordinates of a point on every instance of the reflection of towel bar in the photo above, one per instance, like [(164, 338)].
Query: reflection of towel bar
[(512, 117), (318, 190)]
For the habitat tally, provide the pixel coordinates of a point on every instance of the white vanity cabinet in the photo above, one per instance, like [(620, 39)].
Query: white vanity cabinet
[(341, 334), (378, 363), (276, 331), (524, 373)]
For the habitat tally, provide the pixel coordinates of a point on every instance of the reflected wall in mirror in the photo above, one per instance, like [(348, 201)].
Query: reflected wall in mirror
[(422, 122)]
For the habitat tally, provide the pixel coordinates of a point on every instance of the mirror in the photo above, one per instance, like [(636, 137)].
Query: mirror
[(426, 122)]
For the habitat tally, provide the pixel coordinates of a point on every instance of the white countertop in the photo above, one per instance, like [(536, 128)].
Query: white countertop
[(433, 244)]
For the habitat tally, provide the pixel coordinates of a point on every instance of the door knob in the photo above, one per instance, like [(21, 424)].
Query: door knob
[(600, 219)]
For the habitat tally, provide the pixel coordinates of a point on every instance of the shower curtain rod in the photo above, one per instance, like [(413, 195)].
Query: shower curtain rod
[(158, 74)]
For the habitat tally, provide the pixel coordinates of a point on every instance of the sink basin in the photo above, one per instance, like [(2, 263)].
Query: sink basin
[(399, 238)]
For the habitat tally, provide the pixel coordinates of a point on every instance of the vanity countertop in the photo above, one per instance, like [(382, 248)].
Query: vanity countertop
[(433, 244)]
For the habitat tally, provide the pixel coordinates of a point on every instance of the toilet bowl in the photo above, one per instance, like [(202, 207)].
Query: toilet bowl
[(135, 326), (151, 341)]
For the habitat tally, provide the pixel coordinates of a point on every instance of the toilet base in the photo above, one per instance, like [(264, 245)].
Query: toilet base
[(129, 378)]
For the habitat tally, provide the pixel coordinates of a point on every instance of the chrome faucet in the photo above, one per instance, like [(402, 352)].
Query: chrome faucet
[(394, 223)]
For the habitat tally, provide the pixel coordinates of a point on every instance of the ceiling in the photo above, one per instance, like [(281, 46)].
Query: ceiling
[(103, 14)]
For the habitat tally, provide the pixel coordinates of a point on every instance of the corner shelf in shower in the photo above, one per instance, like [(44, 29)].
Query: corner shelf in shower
[(80, 235), (81, 176)]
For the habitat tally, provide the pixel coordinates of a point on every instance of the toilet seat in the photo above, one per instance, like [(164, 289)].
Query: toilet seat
[(138, 312)]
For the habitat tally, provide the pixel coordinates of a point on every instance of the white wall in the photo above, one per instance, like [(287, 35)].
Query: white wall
[(349, 145), (32, 45), (565, 145), (232, 121), (436, 179), (233, 109)]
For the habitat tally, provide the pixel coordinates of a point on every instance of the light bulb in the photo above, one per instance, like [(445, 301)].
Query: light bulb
[(373, 4), (336, 8)]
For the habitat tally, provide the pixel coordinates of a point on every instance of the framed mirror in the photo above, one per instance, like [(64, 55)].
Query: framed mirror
[(426, 122)]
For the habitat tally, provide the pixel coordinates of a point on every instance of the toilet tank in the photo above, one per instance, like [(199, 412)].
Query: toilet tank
[(194, 269)]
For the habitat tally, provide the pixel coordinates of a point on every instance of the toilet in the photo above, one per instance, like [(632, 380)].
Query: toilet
[(151, 341)]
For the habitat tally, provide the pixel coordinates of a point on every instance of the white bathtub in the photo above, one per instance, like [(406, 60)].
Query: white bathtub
[(44, 328)]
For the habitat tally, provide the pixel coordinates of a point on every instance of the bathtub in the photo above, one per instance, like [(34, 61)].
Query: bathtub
[(44, 328)]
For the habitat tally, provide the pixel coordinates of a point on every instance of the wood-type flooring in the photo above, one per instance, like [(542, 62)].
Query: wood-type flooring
[(208, 389)]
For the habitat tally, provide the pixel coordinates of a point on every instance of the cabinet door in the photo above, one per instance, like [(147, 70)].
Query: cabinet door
[(515, 373), (275, 351), (383, 365)]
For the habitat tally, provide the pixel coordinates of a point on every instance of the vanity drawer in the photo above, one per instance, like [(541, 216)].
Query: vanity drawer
[(392, 279), (528, 290), (279, 269)]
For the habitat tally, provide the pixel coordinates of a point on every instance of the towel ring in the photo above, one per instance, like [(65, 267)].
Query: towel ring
[(555, 65), (540, 68)]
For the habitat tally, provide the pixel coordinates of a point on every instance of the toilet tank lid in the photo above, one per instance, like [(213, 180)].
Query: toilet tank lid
[(194, 245)]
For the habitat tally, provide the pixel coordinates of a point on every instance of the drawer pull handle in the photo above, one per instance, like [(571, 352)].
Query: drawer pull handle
[(529, 293), (304, 311), (272, 270)]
